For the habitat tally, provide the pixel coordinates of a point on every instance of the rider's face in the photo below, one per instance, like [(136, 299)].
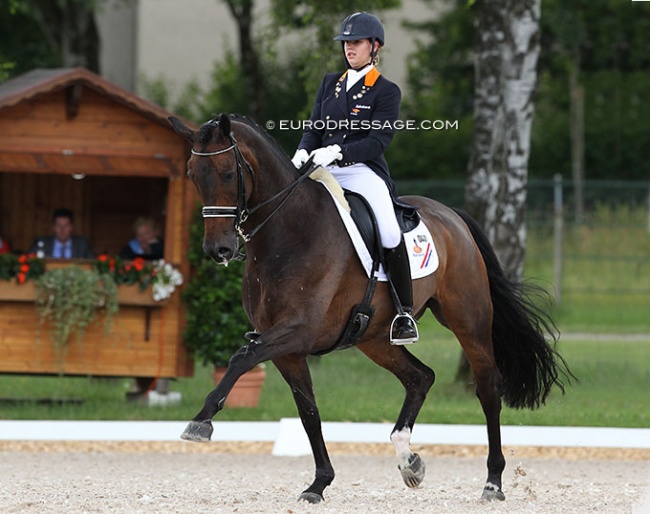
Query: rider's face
[(358, 52)]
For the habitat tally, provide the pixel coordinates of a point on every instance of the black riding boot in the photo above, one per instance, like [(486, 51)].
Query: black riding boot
[(403, 329)]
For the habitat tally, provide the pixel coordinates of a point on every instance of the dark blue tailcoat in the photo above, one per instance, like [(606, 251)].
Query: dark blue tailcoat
[(362, 126)]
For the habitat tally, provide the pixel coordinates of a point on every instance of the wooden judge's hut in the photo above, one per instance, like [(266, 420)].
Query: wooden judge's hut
[(69, 138)]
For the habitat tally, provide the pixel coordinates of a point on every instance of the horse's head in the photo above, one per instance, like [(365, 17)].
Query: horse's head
[(222, 177)]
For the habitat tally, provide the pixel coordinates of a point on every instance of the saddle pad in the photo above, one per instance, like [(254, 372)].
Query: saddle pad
[(419, 243)]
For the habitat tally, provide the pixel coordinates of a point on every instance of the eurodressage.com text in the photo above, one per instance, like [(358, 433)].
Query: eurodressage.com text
[(363, 125)]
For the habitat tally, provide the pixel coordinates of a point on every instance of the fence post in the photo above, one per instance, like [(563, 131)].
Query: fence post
[(558, 221)]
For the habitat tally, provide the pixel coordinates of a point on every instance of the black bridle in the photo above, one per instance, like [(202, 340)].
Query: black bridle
[(241, 212)]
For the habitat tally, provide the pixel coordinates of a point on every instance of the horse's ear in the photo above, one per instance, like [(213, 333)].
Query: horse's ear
[(180, 128), (224, 125)]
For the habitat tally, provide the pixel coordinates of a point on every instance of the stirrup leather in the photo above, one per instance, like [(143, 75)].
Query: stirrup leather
[(408, 340)]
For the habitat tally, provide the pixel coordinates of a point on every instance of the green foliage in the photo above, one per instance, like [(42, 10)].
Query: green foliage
[(69, 298), (20, 267), (5, 69), (440, 87), (316, 23), (19, 45), (215, 318), (610, 40)]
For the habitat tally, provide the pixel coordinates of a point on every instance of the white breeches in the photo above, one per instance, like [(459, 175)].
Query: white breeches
[(359, 178)]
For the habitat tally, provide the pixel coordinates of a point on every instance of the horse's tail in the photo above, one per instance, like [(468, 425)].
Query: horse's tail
[(528, 363)]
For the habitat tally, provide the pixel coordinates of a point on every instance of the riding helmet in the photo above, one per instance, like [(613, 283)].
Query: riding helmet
[(361, 25)]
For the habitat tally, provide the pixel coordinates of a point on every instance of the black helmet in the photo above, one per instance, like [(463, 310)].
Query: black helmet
[(361, 25)]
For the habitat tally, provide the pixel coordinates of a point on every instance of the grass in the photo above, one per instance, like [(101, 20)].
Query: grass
[(606, 270), (349, 387)]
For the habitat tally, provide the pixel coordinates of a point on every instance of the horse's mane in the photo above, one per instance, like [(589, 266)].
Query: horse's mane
[(207, 129)]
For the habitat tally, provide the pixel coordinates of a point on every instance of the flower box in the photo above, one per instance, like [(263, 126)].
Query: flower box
[(11, 291), (131, 295)]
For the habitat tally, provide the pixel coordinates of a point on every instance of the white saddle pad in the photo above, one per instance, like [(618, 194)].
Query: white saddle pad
[(419, 243)]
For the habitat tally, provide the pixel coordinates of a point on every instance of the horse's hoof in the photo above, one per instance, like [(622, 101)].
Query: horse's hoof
[(413, 471), (310, 497), (492, 492), (199, 431)]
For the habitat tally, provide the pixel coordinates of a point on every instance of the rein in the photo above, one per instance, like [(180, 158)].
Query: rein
[(241, 212)]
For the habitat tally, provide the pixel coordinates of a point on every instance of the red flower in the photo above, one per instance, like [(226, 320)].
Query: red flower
[(102, 258), (24, 268), (138, 263), (22, 259), (20, 278)]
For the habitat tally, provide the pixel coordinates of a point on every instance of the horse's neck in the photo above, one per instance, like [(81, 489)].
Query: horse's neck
[(273, 174)]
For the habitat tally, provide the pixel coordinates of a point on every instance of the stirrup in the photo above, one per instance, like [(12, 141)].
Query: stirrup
[(407, 340)]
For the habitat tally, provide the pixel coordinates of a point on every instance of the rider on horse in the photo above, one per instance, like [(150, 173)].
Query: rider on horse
[(352, 123)]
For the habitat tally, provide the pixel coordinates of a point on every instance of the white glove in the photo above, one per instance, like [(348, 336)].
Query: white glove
[(300, 157), (327, 155)]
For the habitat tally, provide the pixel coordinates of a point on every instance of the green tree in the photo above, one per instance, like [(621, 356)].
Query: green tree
[(611, 40), (68, 29), (439, 87), (315, 24), (19, 44), (249, 61)]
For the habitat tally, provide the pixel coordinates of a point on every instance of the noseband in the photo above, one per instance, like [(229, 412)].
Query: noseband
[(241, 211)]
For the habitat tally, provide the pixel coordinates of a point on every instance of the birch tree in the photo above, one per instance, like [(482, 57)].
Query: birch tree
[(507, 48)]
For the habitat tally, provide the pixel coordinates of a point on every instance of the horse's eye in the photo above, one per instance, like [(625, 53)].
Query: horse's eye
[(228, 176)]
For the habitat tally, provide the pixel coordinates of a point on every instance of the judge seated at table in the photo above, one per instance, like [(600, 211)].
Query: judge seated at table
[(62, 244), (146, 244)]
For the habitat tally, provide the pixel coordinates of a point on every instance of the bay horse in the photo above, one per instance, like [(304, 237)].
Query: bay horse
[(302, 277)]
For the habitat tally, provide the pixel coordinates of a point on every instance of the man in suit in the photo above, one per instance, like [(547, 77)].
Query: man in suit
[(62, 245), (352, 123)]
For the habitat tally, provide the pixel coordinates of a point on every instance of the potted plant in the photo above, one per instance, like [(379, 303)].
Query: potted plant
[(215, 318), (70, 298)]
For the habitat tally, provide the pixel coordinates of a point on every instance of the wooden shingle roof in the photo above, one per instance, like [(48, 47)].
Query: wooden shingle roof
[(70, 120), (43, 81)]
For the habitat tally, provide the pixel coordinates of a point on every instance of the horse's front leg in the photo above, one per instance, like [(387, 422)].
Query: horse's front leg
[(295, 371), (245, 359)]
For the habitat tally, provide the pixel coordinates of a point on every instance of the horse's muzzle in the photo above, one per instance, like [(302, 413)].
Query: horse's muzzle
[(219, 254)]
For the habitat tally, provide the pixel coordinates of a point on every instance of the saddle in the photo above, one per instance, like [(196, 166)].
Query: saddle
[(364, 218), (361, 212)]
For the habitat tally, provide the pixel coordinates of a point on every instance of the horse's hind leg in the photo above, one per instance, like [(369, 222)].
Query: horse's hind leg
[(473, 332), (417, 379), (295, 371)]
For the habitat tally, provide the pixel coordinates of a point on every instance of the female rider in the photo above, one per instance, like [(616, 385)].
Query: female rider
[(352, 123)]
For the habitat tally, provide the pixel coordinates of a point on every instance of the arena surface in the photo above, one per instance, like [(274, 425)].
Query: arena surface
[(244, 477)]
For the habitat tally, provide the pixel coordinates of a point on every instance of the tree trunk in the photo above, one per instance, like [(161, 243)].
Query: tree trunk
[(242, 11), (506, 51), (576, 94)]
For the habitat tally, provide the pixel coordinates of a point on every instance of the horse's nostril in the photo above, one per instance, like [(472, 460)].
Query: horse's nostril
[(225, 253), (219, 253)]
